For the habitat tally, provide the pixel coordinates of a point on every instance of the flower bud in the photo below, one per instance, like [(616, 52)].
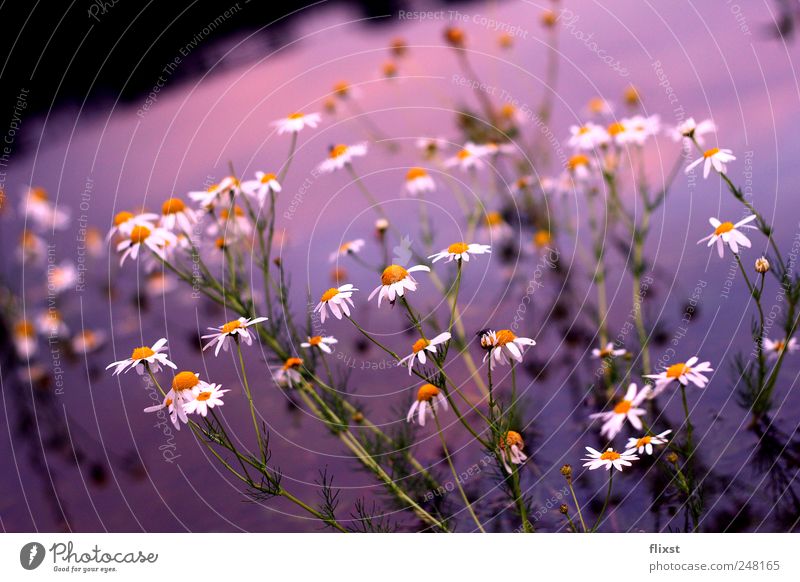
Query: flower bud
[(762, 265), (566, 470), (564, 509), (672, 458)]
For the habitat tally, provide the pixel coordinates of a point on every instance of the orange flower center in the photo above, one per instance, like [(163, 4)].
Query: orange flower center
[(541, 238), (341, 88), (329, 294), (420, 345), (596, 105), (577, 160), (203, 396), (231, 325), (494, 218), (711, 152), (24, 328), (458, 248), (454, 35), (316, 340), (779, 345), (122, 217), (723, 228), (267, 178), (139, 234), (427, 392), (415, 173), (338, 150), (39, 194), (173, 206), (645, 440), (508, 110), (142, 353), (623, 407), (292, 363), (392, 274), (463, 154), (184, 381), (237, 212), (505, 336), (512, 438), (616, 128), (677, 370), (220, 243), (297, 116), (609, 455)]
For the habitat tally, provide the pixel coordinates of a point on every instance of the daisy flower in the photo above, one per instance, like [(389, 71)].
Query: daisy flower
[(579, 166), (32, 248), (234, 222), (461, 251), (144, 357), (24, 337), (608, 351), (522, 184), (296, 122), (625, 409), (352, 247), (207, 397), (208, 197), (610, 458), (428, 398), (185, 387), (690, 371), (87, 341), (728, 233), (587, 137), (125, 221), (419, 348), (159, 283), (174, 212), (50, 323), (37, 206), (418, 181), (713, 158), (495, 149), (504, 346), (323, 343), (156, 239), (645, 444), (642, 127), (61, 277), (288, 374), (341, 155), (336, 299), (234, 330), (468, 157), (691, 129), (599, 106), (395, 281), (513, 115), (511, 450), (776, 347), (261, 186)]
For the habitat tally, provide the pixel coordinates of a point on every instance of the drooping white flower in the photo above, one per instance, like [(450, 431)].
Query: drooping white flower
[(323, 343), (419, 348), (175, 214), (352, 247), (338, 300), (728, 233), (511, 450), (341, 155), (395, 281), (419, 181), (261, 186), (144, 357), (714, 158), (625, 409), (429, 397), (689, 129), (504, 346), (231, 331), (296, 122), (156, 239)]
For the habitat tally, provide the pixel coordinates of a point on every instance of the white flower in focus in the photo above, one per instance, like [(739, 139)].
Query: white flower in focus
[(608, 459), (156, 239), (419, 181), (625, 409), (461, 251), (125, 221), (504, 346), (261, 186), (296, 122), (646, 443), (728, 233), (185, 387), (208, 396), (713, 158), (337, 300), (775, 348), (511, 450), (352, 247), (341, 155), (234, 330), (395, 281), (690, 371), (419, 348), (321, 343), (428, 398), (144, 357)]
